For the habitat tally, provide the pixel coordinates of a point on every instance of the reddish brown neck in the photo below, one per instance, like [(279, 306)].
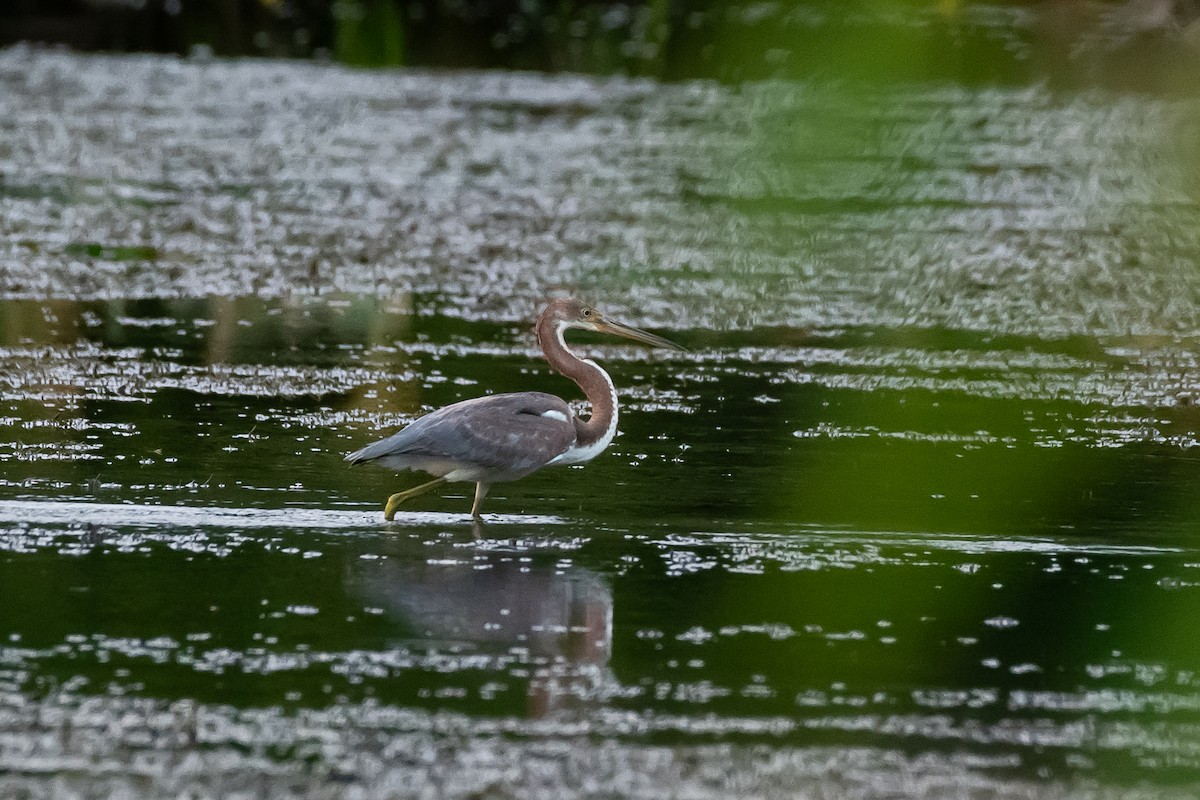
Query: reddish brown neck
[(594, 382)]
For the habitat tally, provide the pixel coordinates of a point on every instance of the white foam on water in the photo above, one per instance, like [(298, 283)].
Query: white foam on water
[(131, 514)]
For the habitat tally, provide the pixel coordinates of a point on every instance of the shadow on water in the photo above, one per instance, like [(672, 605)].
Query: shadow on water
[(555, 624)]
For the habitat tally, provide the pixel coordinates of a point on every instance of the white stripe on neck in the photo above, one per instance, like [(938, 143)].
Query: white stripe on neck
[(560, 328)]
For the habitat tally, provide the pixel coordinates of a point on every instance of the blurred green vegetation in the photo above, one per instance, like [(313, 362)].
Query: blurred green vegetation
[(368, 34), (1136, 42)]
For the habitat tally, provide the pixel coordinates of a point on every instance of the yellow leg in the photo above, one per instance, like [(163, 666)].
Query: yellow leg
[(481, 490), (393, 502)]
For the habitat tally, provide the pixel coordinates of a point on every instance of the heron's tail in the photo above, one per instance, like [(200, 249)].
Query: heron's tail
[(393, 445)]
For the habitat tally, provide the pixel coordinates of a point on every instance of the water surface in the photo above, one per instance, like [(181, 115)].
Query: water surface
[(914, 515)]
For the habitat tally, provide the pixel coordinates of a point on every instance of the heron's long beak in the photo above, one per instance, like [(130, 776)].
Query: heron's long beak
[(637, 334)]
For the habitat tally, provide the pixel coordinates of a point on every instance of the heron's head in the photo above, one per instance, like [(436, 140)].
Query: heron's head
[(567, 312)]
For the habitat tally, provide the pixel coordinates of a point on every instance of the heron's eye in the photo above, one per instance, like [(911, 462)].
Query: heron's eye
[(587, 312)]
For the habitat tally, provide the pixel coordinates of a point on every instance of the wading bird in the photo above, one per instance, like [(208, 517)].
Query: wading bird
[(503, 437)]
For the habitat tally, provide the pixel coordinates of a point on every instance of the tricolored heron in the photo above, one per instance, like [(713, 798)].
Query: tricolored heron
[(503, 437)]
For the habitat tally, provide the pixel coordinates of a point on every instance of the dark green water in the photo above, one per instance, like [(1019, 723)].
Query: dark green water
[(915, 516)]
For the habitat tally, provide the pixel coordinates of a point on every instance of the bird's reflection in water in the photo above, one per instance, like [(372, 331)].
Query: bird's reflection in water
[(558, 621)]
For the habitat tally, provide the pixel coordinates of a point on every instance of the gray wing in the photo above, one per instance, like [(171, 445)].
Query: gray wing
[(501, 432)]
